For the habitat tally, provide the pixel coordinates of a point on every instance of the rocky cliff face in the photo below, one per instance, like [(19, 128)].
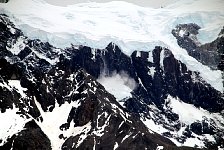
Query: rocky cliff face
[(210, 54), (159, 75), (55, 101)]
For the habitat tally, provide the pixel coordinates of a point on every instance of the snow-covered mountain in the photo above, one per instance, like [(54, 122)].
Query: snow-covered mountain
[(111, 76), (97, 24)]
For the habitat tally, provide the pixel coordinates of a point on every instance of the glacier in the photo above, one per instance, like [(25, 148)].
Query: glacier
[(130, 26)]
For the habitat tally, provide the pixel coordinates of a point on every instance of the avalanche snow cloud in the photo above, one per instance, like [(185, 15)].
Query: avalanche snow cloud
[(130, 26), (118, 84)]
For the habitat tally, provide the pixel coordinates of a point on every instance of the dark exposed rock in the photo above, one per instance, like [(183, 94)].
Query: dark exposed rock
[(209, 53), (54, 79), (24, 53), (202, 128), (113, 123), (9, 71), (7, 37), (175, 79), (30, 138), (196, 127), (7, 99)]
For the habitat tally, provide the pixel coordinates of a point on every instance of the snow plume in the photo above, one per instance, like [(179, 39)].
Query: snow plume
[(118, 84)]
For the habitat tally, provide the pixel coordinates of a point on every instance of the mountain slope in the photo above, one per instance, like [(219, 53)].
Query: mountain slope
[(53, 97), (209, 54), (53, 103), (110, 22)]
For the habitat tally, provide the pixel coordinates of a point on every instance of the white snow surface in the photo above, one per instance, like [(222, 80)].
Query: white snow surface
[(153, 126), (115, 146), (18, 46), (53, 120), (97, 24), (11, 123), (159, 148), (188, 113), (16, 84), (191, 142)]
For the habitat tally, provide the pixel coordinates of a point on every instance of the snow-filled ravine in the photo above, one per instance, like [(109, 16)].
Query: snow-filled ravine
[(130, 26)]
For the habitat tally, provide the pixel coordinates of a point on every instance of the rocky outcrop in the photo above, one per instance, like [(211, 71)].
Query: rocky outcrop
[(210, 54), (102, 120), (110, 124), (32, 137)]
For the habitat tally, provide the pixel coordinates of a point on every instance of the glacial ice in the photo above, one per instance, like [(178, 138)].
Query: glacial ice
[(130, 26)]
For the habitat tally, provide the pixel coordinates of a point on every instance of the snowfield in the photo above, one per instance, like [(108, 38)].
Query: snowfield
[(130, 26)]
